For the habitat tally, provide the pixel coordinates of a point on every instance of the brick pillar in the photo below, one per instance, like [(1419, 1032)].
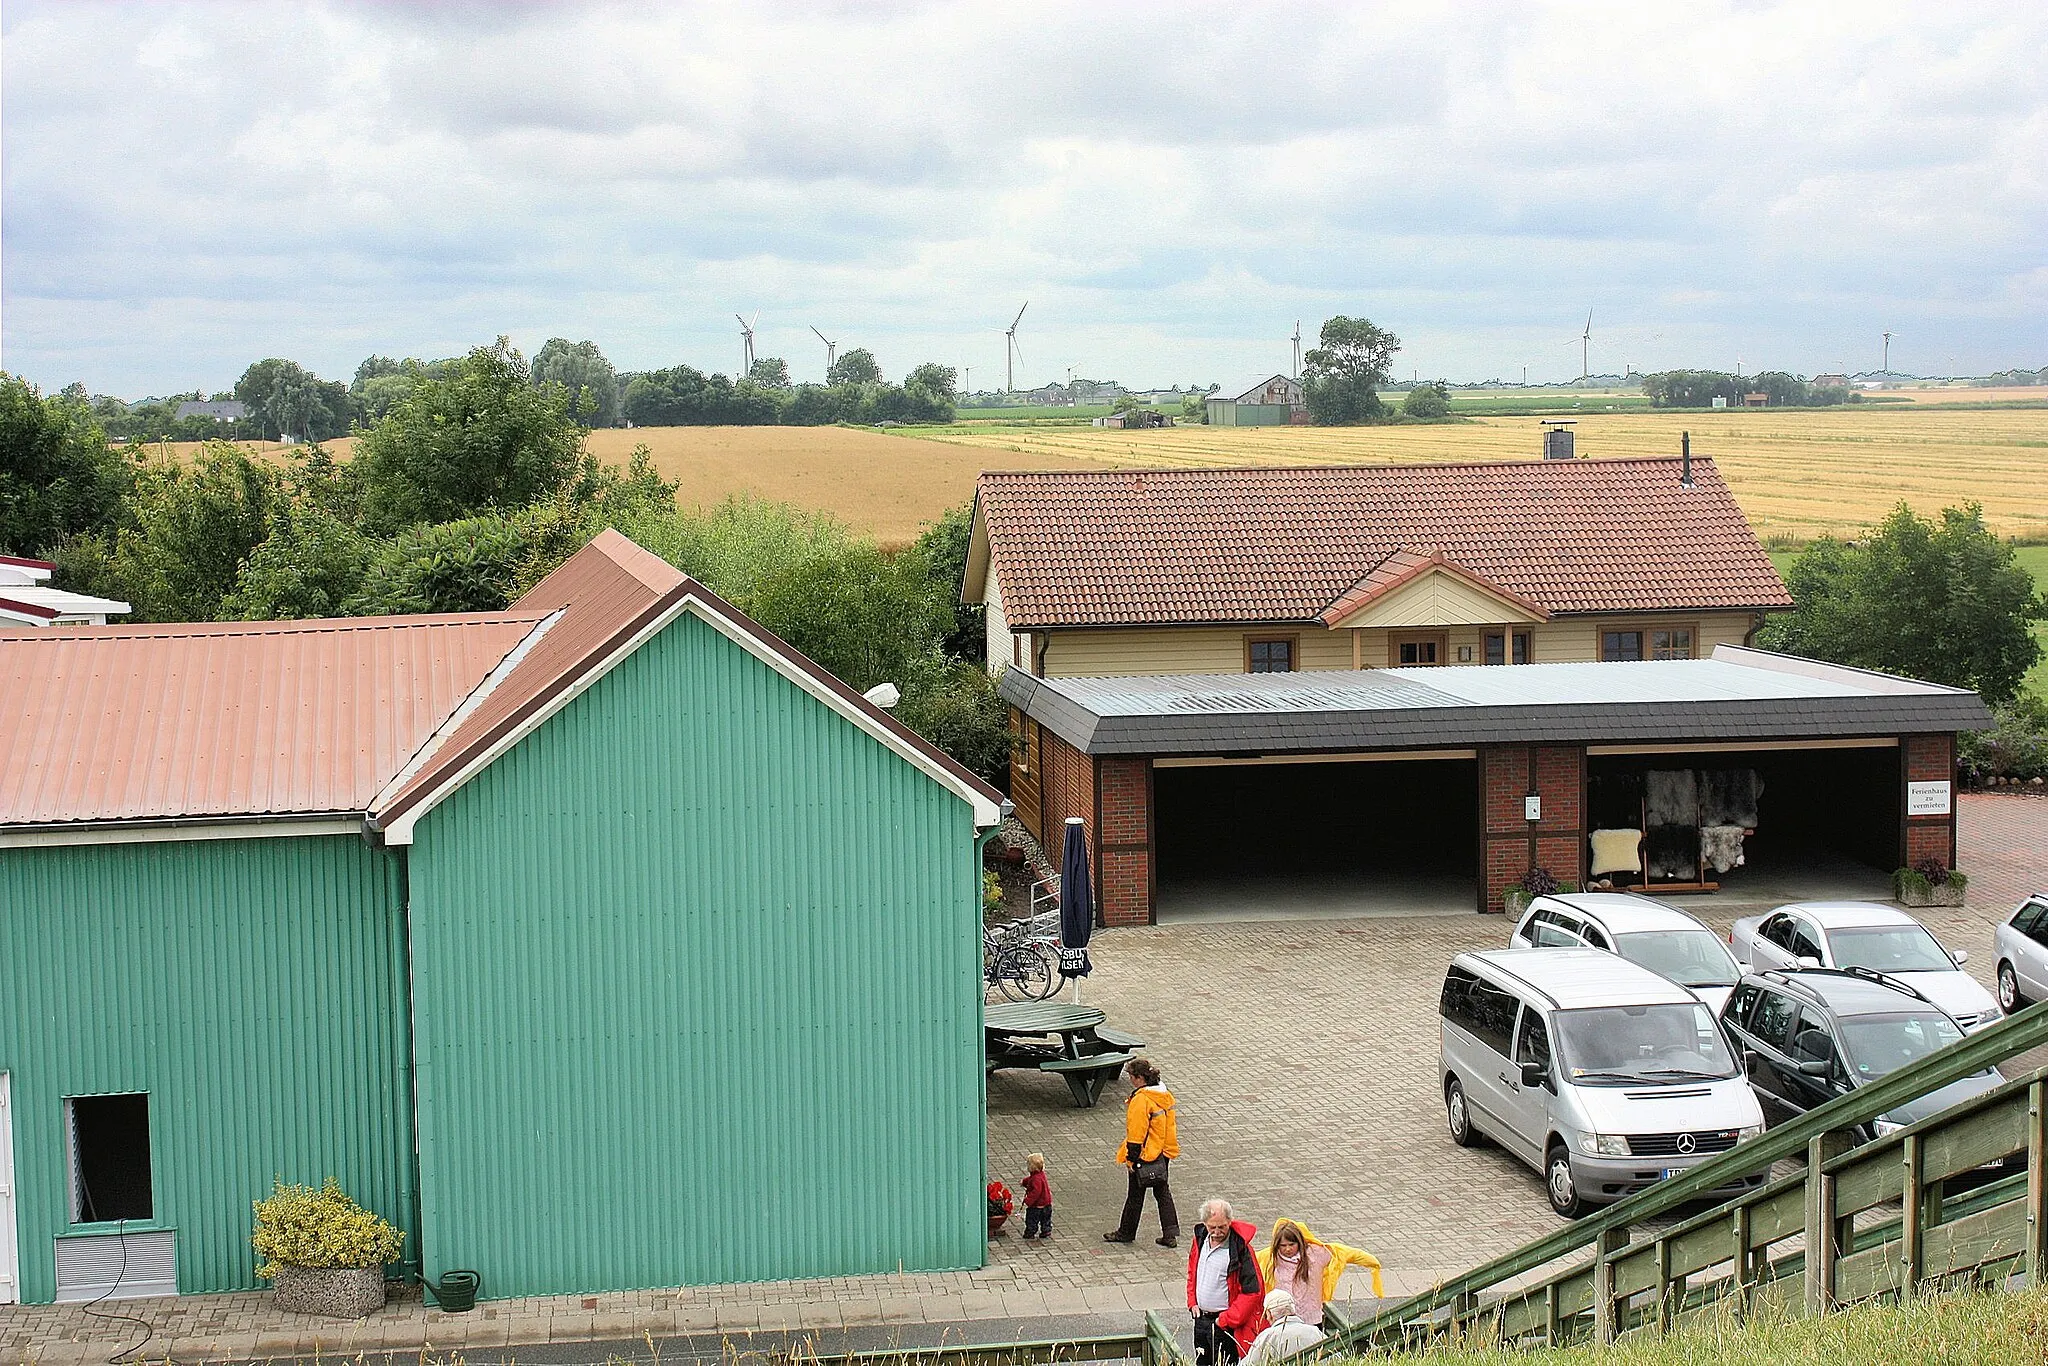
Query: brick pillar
[(1123, 841), (1510, 843), (1927, 759)]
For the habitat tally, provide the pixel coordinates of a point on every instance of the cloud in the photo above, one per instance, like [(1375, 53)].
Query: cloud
[(189, 187)]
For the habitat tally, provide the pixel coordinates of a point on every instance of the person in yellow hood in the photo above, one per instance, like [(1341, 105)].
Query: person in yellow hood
[(1303, 1264), (1151, 1141)]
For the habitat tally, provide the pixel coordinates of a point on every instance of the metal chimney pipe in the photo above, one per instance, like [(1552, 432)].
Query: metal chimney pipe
[(1685, 460)]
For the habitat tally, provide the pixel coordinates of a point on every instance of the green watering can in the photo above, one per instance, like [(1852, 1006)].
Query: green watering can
[(456, 1291)]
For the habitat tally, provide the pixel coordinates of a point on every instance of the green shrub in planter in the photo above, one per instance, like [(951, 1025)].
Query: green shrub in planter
[(1930, 882), (320, 1229)]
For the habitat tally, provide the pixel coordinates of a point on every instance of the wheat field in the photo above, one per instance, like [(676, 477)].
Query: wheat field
[(1797, 473)]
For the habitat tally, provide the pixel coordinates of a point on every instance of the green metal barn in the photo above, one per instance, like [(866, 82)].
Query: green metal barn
[(567, 937)]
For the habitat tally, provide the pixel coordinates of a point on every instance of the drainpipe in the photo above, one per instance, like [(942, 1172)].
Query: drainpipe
[(416, 1264), (1044, 644)]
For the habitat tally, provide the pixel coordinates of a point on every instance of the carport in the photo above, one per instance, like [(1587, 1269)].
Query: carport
[(1415, 790), (1347, 834)]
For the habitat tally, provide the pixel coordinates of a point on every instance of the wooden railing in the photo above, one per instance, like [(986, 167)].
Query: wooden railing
[(1854, 1223)]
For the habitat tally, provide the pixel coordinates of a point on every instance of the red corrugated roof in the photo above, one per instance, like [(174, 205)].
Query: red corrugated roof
[(1164, 547), (221, 719)]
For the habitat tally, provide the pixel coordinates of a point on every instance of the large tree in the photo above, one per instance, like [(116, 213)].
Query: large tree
[(288, 400), (857, 366), (582, 369), (482, 437), (1345, 373), (58, 477), (1943, 601)]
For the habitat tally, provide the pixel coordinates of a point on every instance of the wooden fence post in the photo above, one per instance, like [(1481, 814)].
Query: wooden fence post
[(1823, 1241), (2037, 1183), (1550, 1323), (1912, 1219), (1606, 1318), (1745, 1261)]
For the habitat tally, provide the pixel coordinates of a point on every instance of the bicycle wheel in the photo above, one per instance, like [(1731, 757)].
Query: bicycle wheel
[(1025, 975)]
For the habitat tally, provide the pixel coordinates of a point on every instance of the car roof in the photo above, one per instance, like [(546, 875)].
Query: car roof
[(1846, 993), (1833, 914), (1625, 912), (1578, 978)]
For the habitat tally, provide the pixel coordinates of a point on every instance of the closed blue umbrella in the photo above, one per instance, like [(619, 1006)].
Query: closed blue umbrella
[(1077, 903)]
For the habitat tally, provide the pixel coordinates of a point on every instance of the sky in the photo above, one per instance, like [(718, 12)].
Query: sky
[(186, 188)]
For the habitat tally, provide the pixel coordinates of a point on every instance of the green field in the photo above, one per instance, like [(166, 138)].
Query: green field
[(2033, 559)]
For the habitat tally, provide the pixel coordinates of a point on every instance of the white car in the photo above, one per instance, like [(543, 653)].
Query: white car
[(1648, 933), (2022, 946), (1862, 934)]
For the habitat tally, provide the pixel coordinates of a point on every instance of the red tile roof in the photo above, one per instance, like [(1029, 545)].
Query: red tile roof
[(351, 717), (1178, 547), (224, 719)]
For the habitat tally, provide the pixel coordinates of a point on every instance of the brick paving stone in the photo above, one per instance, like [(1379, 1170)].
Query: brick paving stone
[(1304, 1057)]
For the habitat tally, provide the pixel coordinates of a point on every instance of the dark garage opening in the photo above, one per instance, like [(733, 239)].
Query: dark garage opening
[(1827, 819), (1285, 840)]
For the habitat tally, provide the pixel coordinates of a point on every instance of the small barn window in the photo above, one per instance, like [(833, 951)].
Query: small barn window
[(1620, 645), (1427, 649), (110, 1173), (1675, 643), (1497, 647)]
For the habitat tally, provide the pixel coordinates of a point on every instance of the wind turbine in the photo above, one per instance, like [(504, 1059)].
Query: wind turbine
[(747, 342), (831, 351), (1297, 350), (1586, 348), (1011, 351), (1887, 354)]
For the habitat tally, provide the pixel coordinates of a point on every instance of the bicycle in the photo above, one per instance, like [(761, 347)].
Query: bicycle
[(1020, 960)]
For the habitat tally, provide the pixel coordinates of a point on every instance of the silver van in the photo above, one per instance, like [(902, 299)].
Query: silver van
[(1600, 1074)]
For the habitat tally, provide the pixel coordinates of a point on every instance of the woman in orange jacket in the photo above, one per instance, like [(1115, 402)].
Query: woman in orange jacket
[(1151, 1141)]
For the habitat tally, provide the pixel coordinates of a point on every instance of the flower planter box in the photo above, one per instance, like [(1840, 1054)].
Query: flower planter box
[(1949, 893), (1516, 902), (345, 1292)]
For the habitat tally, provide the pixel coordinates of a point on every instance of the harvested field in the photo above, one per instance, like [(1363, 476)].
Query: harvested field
[(1797, 472), (876, 483)]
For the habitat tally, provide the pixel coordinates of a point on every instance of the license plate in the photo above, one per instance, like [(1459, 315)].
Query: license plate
[(1670, 1172)]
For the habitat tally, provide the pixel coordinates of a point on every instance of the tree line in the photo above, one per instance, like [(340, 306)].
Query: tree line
[(1699, 389), (285, 400), (472, 485)]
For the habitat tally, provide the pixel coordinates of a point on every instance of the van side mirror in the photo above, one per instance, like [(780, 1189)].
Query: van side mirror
[(1535, 1074), (1961, 956), (1806, 961), (1816, 1067)]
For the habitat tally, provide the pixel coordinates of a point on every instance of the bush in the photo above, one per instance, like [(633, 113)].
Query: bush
[(320, 1229), (1428, 401), (2016, 746), (1926, 875)]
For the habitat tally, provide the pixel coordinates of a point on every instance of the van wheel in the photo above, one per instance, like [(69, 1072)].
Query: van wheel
[(1558, 1182), (2009, 998), (1459, 1115)]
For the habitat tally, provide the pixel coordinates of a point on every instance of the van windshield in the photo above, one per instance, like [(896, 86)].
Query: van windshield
[(1691, 958), (1639, 1045)]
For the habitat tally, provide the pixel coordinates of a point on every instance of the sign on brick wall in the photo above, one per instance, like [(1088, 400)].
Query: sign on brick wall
[(1928, 799)]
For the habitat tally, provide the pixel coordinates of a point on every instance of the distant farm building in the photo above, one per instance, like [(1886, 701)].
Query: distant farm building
[(1830, 381), (1273, 401), (26, 598), (227, 410)]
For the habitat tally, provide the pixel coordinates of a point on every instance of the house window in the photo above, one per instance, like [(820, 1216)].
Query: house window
[(1497, 646), (1658, 642), (110, 1178), (1620, 645), (1418, 650), (1672, 643), (1273, 656)]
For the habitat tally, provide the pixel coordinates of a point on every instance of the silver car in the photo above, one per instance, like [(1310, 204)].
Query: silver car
[(1661, 938), (2022, 947), (1863, 934)]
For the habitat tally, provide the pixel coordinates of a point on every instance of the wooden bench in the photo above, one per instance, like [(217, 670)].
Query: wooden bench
[(1086, 1076), (1116, 1039)]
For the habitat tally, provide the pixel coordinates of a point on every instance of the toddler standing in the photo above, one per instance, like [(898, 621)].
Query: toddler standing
[(1037, 1198)]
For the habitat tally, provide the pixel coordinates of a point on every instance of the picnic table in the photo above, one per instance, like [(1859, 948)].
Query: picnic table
[(1051, 1036)]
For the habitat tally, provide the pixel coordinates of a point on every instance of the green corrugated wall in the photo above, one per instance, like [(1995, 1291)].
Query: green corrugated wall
[(253, 987), (697, 998)]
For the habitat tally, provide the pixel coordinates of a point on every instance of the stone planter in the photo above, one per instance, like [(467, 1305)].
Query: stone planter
[(1920, 894), (345, 1292), (1517, 901)]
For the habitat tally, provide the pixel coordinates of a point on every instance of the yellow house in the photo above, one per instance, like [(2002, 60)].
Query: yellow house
[(1279, 570)]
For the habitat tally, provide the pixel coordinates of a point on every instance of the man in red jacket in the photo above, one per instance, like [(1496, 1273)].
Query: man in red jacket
[(1225, 1292)]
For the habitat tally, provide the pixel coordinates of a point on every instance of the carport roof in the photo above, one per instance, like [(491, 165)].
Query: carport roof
[(1737, 694)]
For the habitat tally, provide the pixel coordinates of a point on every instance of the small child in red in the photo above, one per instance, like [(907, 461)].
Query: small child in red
[(1037, 1199)]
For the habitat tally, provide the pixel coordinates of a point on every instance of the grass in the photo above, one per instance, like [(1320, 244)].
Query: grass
[(1963, 1329)]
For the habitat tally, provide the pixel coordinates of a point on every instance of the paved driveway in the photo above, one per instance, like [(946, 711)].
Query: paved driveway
[(1304, 1057)]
